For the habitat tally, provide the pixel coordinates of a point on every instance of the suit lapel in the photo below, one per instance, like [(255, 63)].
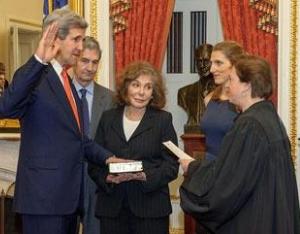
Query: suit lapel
[(145, 124), (97, 108), (59, 92), (117, 123)]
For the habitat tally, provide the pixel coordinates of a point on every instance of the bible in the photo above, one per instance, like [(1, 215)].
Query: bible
[(136, 166)]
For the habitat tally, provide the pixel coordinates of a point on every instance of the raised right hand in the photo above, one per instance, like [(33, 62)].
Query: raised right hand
[(47, 48)]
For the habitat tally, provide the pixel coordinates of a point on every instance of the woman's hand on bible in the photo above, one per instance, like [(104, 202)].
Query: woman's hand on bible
[(114, 159)]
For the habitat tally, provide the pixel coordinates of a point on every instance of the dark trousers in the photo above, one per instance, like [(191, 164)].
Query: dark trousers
[(91, 224), (128, 223), (49, 224)]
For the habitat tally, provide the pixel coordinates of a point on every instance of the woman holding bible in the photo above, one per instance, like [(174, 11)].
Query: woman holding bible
[(136, 203)]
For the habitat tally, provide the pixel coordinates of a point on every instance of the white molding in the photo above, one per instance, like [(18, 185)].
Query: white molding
[(103, 36), (13, 24), (105, 42), (87, 14), (283, 61), (21, 22)]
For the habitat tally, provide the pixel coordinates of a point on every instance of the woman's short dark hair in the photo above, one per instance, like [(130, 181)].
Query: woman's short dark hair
[(131, 73), (256, 71)]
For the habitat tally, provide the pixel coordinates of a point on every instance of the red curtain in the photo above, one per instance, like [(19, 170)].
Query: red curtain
[(239, 21), (146, 35)]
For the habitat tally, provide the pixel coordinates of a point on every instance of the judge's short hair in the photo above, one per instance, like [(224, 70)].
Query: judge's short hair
[(256, 71), (66, 20), (131, 73)]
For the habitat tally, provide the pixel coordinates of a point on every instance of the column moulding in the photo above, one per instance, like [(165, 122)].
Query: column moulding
[(288, 70), (97, 15)]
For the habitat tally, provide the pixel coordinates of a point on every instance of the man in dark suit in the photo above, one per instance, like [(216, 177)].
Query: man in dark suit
[(53, 147), (98, 99)]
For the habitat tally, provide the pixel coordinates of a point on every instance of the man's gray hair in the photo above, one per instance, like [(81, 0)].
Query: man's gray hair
[(66, 19), (91, 44)]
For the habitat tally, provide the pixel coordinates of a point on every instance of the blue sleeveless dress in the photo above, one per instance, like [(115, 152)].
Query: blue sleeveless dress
[(216, 121)]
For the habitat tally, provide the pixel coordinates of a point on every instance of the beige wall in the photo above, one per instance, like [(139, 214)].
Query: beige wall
[(17, 12)]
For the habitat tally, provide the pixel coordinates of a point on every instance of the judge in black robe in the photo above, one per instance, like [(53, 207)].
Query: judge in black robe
[(251, 187)]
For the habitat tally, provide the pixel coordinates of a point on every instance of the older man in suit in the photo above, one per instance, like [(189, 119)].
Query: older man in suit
[(98, 99), (49, 181)]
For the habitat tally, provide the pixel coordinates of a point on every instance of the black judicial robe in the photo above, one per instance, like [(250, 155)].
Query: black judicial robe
[(251, 188)]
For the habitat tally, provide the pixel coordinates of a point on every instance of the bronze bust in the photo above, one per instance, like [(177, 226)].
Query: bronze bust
[(191, 97)]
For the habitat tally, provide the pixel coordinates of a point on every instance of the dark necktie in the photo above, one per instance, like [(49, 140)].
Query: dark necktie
[(86, 129), (85, 112)]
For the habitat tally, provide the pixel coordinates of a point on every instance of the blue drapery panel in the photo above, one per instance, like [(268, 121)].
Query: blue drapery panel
[(53, 4)]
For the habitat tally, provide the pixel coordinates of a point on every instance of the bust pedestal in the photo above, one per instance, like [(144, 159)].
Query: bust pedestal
[(194, 145)]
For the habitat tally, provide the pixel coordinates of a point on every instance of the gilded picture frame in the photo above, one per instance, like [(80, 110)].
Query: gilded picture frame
[(9, 129)]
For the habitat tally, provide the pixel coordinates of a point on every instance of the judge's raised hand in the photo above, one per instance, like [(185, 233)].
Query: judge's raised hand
[(47, 48)]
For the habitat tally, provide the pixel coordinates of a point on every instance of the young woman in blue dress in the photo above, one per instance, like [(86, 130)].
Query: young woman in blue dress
[(220, 113)]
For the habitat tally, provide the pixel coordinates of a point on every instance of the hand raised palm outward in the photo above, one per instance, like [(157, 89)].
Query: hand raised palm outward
[(48, 48)]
